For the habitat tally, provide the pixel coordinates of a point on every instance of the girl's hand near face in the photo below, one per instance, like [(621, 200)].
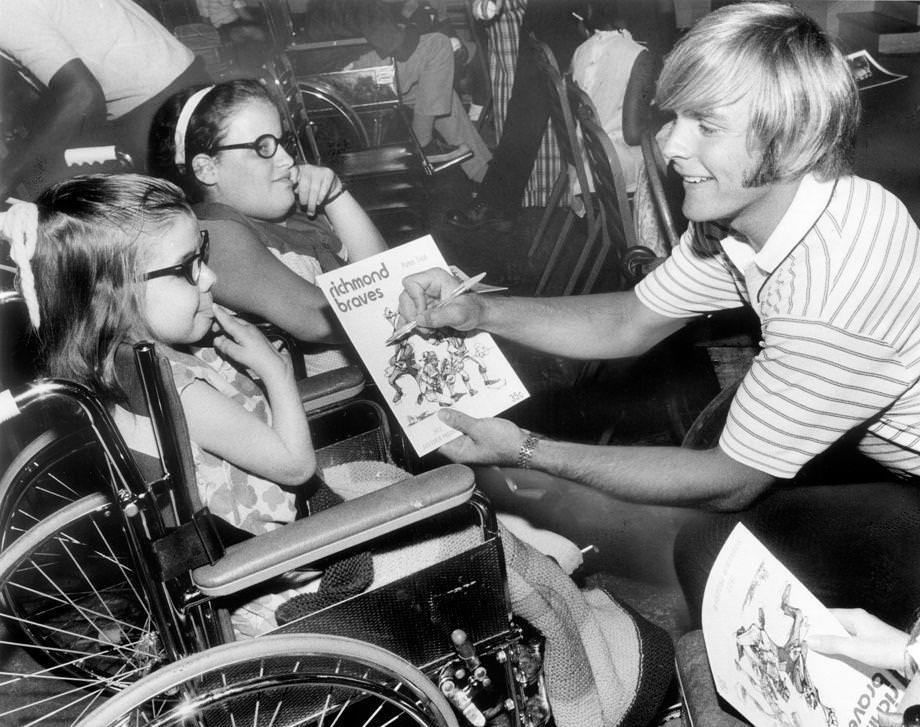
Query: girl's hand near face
[(246, 344), (312, 185)]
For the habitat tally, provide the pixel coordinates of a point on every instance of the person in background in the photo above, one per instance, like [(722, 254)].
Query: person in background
[(234, 19), (275, 224), (424, 67), (106, 61), (619, 76), (527, 116), (765, 113)]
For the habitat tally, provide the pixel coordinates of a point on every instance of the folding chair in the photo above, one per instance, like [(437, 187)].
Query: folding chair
[(633, 261), (565, 130), (664, 193)]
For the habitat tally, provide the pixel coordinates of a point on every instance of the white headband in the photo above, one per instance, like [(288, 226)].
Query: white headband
[(19, 225), (185, 116)]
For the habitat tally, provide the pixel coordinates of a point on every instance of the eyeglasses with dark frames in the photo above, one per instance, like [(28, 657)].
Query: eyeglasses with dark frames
[(190, 268), (266, 145)]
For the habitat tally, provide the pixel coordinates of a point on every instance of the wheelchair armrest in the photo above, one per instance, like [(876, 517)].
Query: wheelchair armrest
[(331, 531), (701, 700), (330, 387)]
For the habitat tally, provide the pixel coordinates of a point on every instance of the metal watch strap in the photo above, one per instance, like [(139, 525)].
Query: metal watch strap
[(526, 452)]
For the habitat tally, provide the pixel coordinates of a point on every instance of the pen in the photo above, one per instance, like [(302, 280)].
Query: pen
[(407, 328)]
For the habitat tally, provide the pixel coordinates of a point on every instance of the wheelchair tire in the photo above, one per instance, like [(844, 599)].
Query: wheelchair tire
[(337, 128), (69, 601), (282, 680), (50, 471)]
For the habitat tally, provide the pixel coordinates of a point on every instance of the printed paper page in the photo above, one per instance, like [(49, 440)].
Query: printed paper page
[(418, 375), (756, 615), (868, 72)]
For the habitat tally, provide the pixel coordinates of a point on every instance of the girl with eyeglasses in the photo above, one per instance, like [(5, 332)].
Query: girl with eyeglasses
[(106, 260), (274, 223), (111, 260)]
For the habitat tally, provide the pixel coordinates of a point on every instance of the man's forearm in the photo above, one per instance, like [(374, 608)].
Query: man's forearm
[(655, 475), (604, 326), (72, 105)]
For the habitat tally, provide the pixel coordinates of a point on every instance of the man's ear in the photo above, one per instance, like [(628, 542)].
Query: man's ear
[(204, 169)]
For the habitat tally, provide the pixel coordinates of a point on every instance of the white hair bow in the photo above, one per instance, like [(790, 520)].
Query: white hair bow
[(19, 225)]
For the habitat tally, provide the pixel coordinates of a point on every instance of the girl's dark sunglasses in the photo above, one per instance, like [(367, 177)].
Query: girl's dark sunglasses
[(266, 145), (190, 268)]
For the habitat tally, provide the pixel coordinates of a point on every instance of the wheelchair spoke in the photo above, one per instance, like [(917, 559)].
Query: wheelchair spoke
[(70, 603), (291, 680)]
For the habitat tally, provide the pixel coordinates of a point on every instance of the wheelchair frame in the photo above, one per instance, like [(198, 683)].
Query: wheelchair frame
[(155, 631)]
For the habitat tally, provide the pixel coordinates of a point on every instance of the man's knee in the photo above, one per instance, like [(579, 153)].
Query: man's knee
[(696, 546)]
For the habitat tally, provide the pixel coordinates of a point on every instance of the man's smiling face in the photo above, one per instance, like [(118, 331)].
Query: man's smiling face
[(710, 152)]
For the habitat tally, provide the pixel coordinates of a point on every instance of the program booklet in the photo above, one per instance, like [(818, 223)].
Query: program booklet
[(418, 374), (756, 617)]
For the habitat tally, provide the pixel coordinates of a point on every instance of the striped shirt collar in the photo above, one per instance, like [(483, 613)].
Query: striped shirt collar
[(808, 204)]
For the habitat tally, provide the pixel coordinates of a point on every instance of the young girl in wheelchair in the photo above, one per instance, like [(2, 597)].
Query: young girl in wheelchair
[(108, 260)]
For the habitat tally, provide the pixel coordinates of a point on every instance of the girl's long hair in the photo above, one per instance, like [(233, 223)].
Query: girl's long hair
[(93, 234)]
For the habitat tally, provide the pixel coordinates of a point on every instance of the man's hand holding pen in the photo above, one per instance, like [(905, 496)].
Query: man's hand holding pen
[(437, 299)]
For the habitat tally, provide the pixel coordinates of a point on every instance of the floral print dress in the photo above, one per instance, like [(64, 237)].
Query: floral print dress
[(247, 501)]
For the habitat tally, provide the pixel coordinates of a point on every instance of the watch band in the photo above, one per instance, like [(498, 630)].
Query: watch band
[(526, 451)]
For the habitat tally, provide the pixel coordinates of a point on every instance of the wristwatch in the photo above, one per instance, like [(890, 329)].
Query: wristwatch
[(526, 452)]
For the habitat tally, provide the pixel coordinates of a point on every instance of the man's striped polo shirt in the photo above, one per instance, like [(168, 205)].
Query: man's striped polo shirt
[(837, 290)]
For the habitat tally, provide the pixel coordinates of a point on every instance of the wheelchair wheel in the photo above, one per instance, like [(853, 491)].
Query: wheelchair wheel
[(69, 600), (282, 680), (337, 128), (51, 471)]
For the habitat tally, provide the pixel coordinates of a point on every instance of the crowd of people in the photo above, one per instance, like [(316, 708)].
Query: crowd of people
[(222, 223)]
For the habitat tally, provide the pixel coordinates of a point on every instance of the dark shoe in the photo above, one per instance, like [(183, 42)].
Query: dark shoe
[(479, 214), (437, 153)]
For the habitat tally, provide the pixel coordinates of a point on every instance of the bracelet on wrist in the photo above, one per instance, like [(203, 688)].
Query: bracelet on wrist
[(525, 453), (343, 188)]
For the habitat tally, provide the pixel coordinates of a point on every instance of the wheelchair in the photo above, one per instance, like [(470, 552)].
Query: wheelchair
[(117, 585)]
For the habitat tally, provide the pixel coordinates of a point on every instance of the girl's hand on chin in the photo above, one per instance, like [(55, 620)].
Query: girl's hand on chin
[(244, 343), (313, 186)]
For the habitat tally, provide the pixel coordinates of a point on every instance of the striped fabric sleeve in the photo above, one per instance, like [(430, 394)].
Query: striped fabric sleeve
[(811, 384), (687, 285)]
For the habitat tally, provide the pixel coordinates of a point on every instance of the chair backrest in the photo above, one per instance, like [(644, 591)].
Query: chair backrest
[(147, 380), (667, 208), (606, 172), (563, 121)]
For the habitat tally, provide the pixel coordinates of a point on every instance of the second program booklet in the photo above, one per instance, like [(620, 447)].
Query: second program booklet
[(418, 375), (756, 620)]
